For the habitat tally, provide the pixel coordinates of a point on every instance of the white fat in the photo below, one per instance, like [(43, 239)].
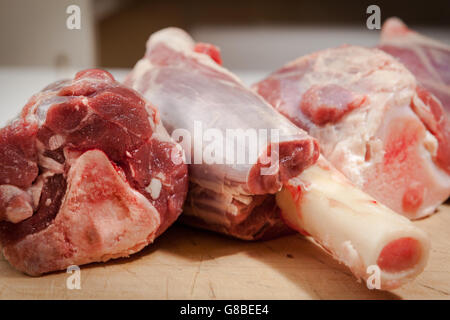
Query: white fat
[(243, 199), (71, 156), (154, 188), (350, 255), (50, 164), (161, 176), (36, 189), (160, 133), (7, 192), (133, 173), (43, 105), (56, 141), (431, 144), (296, 181), (141, 67), (179, 39)]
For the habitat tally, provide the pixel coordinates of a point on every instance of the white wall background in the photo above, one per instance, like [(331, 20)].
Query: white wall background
[(34, 32)]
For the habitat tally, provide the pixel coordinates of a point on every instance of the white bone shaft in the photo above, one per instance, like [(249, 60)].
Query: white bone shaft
[(348, 223)]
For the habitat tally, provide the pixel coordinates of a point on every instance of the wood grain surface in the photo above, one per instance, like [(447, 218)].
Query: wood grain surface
[(186, 263)]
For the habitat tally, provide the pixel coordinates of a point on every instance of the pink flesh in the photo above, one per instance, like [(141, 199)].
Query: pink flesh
[(329, 94), (178, 78), (437, 123), (402, 180), (184, 80), (15, 204), (293, 158), (399, 255), (210, 50), (329, 103), (404, 175), (427, 59), (18, 154)]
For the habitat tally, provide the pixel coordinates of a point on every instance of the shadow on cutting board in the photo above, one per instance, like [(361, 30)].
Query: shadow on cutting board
[(187, 263), (219, 267), (306, 268)]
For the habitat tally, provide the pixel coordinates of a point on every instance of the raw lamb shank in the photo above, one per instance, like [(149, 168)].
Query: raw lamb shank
[(375, 124), (87, 173), (427, 59), (195, 91), (305, 193)]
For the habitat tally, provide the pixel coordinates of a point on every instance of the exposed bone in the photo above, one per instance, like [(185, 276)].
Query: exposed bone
[(352, 226)]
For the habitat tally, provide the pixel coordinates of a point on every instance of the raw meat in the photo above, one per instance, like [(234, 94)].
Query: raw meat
[(427, 59), (388, 135), (86, 174), (317, 201), (191, 88), (354, 228)]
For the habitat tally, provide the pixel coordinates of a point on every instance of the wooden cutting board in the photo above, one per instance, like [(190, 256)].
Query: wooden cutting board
[(185, 263)]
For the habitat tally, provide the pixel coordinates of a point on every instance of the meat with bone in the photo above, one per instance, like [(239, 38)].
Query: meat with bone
[(373, 122), (427, 59), (87, 173), (189, 86), (354, 228), (194, 91)]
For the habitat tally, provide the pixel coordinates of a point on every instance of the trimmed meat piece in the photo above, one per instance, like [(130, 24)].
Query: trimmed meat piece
[(355, 229), (315, 200), (87, 173), (427, 59), (375, 124), (193, 91)]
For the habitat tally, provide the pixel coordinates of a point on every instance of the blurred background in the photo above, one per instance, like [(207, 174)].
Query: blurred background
[(255, 36)]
